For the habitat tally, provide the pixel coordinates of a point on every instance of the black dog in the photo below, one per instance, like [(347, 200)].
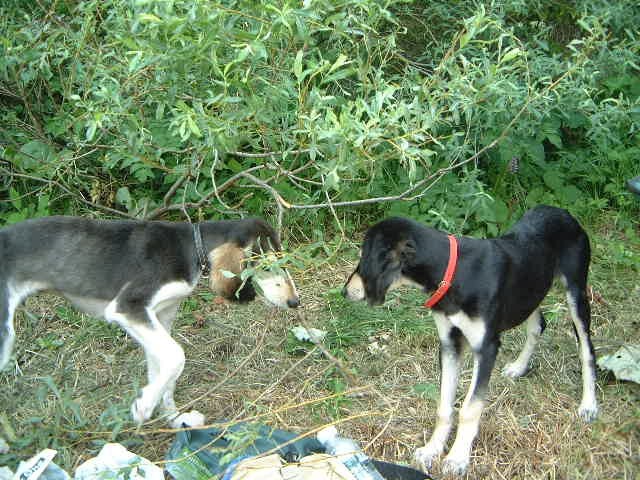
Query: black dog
[(497, 284)]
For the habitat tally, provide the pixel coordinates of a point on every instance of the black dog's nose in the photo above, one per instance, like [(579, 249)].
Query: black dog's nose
[(293, 302)]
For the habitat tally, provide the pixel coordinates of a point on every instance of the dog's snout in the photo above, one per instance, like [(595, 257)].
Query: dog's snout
[(293, 302)]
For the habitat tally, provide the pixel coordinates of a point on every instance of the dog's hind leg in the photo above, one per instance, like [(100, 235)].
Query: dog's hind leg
[(581, 316), (450, 350), (535, 326), (573, 266)]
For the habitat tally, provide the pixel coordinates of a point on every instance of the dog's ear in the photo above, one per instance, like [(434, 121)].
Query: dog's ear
[(265, 238), (406, 251)]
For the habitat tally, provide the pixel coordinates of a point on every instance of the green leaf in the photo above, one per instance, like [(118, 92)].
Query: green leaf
[(427, 390), (91, 130), (553, 180), (235, 166), (16, 198), (340, 61), (464, 39), (123, 196), (160, 111), (193, 127), (148, 18), (297, 66), (511, 54)]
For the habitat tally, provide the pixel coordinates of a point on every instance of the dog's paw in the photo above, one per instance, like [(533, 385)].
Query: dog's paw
[(588, 412), (455, 466), (189, 419), (514, 370), (141, 410), (424, 456)]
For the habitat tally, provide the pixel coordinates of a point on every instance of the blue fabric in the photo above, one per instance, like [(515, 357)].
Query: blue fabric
[(219, 450)]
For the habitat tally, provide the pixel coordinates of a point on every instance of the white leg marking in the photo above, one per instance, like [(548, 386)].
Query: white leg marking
[(354, 288), (167, 315), (9, 340), (425, 456), (588, 409), (473, 329), (165, 358), (169, 294), (457, 460), (164, 305), (8, 343), (520, 365)]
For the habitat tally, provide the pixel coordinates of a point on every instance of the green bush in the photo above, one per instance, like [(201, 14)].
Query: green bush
[(156, 109)]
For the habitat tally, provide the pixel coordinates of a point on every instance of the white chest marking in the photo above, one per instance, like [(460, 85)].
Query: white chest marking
[(473, 329), (170, 292)]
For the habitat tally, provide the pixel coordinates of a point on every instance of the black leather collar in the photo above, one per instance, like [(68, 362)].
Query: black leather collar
[(201, 253)]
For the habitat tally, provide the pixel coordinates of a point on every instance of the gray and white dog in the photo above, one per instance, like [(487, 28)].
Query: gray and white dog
[(136, 273)]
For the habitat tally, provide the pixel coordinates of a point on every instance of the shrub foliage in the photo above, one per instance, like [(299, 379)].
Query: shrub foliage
[(458, 112)]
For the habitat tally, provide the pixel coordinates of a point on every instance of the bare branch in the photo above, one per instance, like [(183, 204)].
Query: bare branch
[(269, 154), (200, 203), (281, 203), (176, 185), (70, 193)]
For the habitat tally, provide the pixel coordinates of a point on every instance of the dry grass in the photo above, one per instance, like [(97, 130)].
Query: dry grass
[(529, 430)]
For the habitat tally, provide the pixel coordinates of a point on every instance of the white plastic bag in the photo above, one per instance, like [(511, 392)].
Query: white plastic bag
[(41, 467), (114, 462)]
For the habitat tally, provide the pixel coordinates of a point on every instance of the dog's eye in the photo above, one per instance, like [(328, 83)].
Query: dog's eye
[(278, 284)]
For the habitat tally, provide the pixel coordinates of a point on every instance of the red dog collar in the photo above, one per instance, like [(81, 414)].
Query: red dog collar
[(448, 274)]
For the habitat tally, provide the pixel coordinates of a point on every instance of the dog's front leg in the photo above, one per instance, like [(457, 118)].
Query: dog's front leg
[(484, 357), (167, 316), (165, 358), (165, 363), (450, 349)]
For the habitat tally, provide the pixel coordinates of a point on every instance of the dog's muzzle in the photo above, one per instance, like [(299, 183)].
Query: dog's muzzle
[(293, 302)]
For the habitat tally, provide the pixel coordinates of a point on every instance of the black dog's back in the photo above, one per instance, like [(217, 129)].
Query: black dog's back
[(547, 242), (555, 225), (567, 238)]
